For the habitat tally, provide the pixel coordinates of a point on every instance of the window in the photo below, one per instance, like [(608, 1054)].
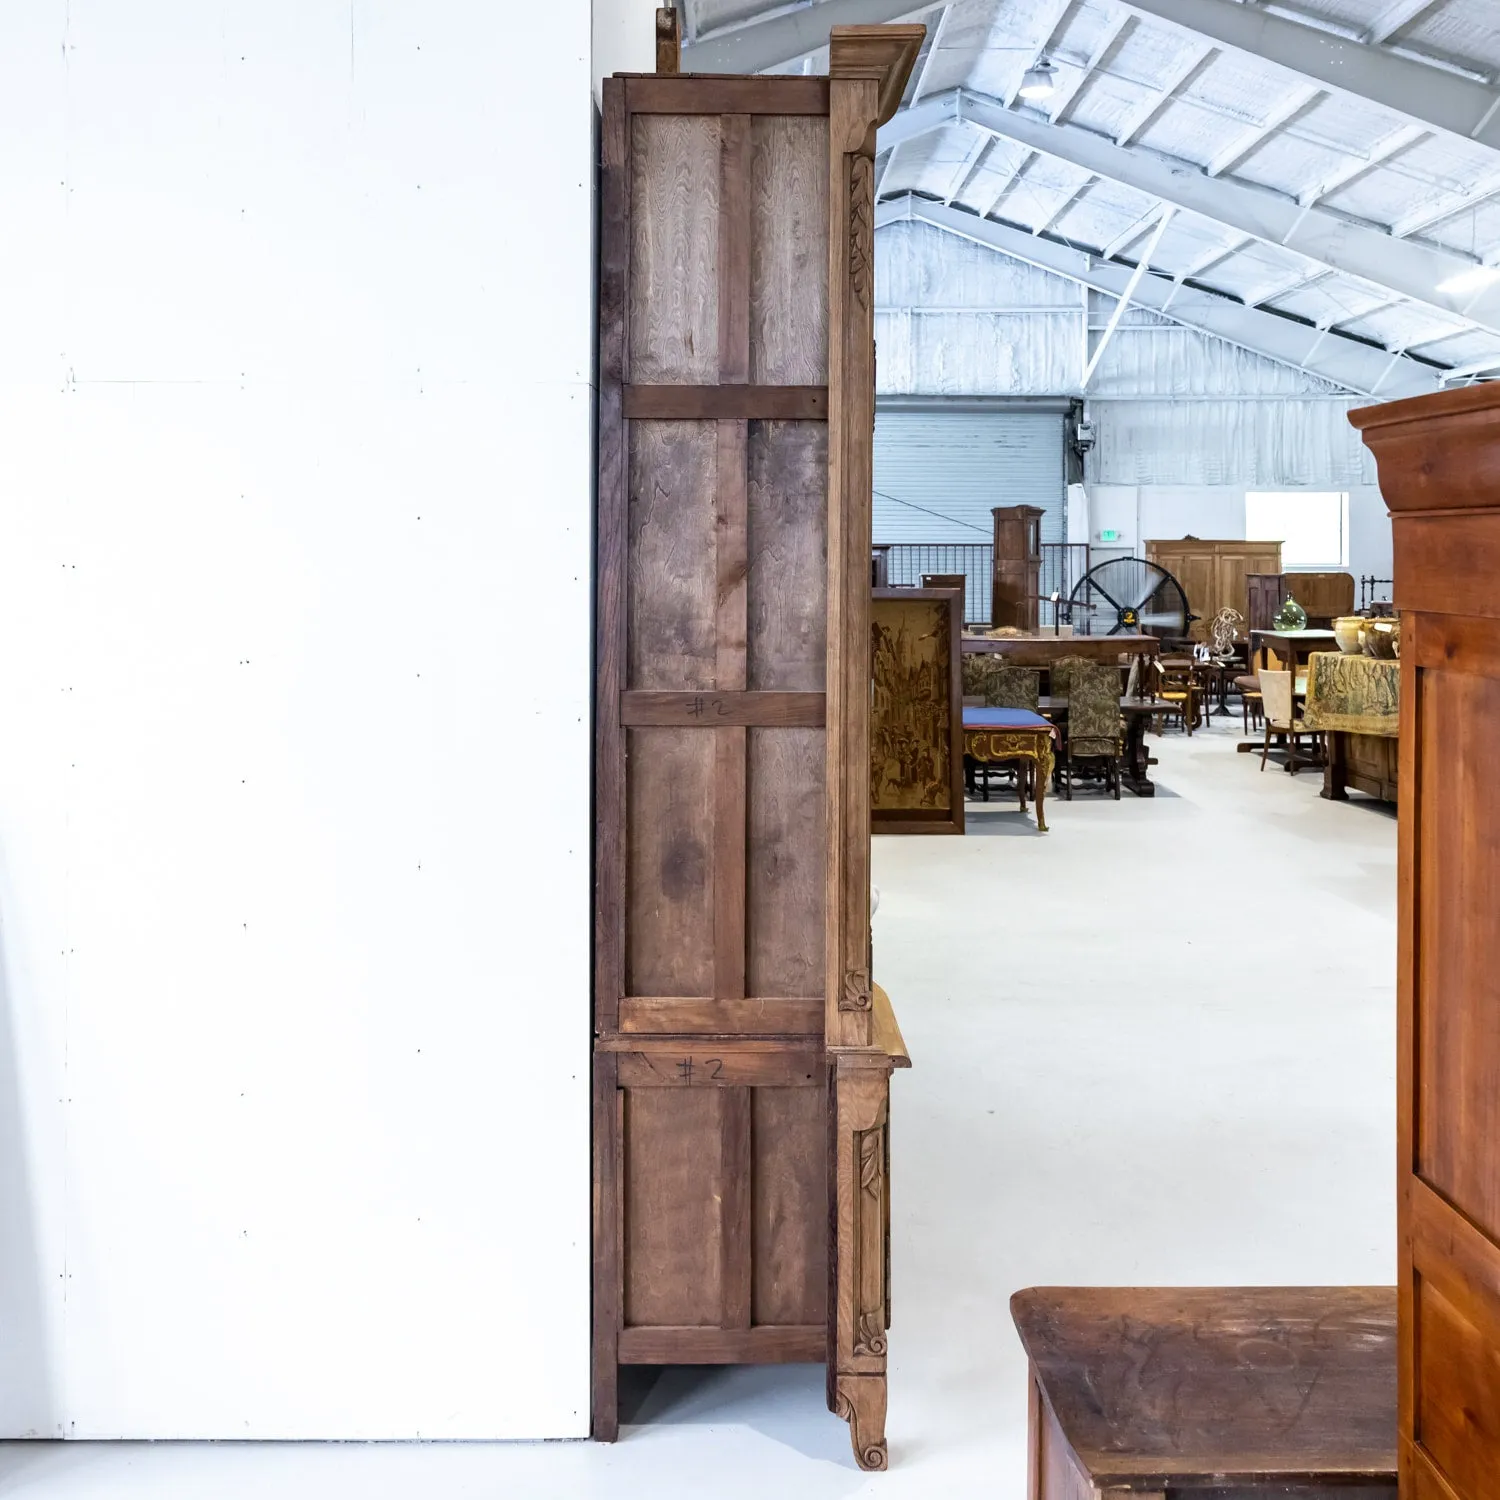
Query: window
[(1311, 525)]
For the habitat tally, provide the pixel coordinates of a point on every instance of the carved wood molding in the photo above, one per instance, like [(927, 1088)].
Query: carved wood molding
[(855, 994), (869, 1336), (860, 1401), (862, 228)]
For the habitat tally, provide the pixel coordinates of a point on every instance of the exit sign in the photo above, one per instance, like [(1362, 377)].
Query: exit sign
[(1109, 534)]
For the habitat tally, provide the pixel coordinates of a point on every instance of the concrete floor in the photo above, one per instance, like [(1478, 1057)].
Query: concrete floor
[(1153, 1046)]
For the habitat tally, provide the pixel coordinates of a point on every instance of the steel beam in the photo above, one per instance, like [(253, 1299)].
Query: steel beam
[(1345, 362), (1406, 267), (1125, 299), (1414, 90)]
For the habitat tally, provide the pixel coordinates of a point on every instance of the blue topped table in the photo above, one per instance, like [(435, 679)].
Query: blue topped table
[(994, 735)]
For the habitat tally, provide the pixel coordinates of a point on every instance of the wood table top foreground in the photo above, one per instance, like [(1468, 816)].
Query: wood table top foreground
[(1218, 1384)]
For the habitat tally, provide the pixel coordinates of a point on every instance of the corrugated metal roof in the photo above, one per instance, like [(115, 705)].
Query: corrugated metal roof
[(1233, 114)]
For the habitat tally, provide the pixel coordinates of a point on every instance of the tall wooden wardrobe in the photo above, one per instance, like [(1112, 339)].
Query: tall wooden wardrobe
[(742, 1053), (1439, 461)]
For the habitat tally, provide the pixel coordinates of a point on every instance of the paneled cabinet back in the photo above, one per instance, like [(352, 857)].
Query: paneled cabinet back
[(713, 542)]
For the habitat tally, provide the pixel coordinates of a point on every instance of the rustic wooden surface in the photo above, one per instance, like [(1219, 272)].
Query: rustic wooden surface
[(1439, 465), (1213, 573), (1233, 1385), (916, 739), (1016, 566), (727, 662)]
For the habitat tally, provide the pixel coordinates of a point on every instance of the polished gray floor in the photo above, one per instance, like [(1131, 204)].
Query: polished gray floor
[(1153, 1046)]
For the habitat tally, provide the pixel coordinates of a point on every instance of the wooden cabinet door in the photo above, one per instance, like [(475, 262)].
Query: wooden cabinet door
[(1439, 459)]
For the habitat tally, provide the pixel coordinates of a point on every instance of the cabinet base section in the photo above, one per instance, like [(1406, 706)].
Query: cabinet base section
[(772, 1344)]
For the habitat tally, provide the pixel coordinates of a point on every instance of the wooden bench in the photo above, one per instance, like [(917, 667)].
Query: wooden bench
[(1217, 1393)]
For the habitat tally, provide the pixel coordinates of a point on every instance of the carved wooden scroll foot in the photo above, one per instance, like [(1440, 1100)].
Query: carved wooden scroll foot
[(860, 1401)]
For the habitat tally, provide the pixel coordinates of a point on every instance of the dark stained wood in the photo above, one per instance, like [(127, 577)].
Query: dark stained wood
[(714, 710), (740, 403), (694, 1065), (668, 40), (609, 1254), (1016, 566), (1439, 464), (737, 1243), (710, 94), (1243, 1386), (762, 1345)]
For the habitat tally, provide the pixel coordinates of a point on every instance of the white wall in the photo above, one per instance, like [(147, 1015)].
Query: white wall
[(295, 352)]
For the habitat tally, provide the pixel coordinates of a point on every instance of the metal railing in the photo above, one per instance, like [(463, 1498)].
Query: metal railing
[(1063, 564)]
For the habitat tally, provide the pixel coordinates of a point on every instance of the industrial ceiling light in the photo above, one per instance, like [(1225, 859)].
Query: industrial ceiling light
[(1472, 279), (1040, 80)]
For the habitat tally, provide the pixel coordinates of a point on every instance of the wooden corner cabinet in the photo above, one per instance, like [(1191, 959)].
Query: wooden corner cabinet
[(742, 1052), (1439, 462)]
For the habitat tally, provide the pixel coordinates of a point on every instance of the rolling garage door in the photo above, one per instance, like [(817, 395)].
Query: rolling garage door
[(941, 468)]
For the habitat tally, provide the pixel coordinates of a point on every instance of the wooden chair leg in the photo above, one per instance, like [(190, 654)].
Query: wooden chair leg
[(1266, 748)]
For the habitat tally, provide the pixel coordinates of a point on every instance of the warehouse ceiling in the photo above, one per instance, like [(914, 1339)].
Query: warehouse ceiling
[(1319, 181)]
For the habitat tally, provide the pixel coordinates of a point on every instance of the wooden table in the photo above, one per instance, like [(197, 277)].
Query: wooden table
[(1288, 650), (1137, 713), (992, 735), (1043, 650), (1164, 1393)]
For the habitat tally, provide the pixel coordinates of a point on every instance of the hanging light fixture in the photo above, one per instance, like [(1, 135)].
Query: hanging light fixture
[(1040, 79)]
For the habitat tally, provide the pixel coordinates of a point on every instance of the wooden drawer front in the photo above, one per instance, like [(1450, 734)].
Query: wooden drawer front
[(724, 1211)]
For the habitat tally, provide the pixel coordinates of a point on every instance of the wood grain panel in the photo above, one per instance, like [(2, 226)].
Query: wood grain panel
[(789, 251), (696, 1065), (1458, 934), (669, 890), (1458, 1394), (790, 1207), (674, 269), (798, 1344), (673, 1189), (788, 543), (716, 710), (671, 593), (784, 880), (740, 403), (757, 1015), (728, 94), (1446, 564)]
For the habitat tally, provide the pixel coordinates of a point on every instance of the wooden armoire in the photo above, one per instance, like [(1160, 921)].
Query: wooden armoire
[(1439, 463), (1212, 573), (742, 1052)]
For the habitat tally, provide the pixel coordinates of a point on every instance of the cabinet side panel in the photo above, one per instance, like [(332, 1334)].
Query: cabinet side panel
[(669, 936), (790, 1205), (787, 521), (789, 250), (674, 265), (671, 592), (785, 865), (1458, 933), (673, 1191)]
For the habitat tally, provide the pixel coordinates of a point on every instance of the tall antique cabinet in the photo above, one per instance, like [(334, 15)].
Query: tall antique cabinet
[(742, 1052), (1439, 461), (1016, 567)]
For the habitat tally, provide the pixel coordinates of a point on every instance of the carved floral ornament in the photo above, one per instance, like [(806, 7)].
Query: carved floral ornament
[(862, 228)]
